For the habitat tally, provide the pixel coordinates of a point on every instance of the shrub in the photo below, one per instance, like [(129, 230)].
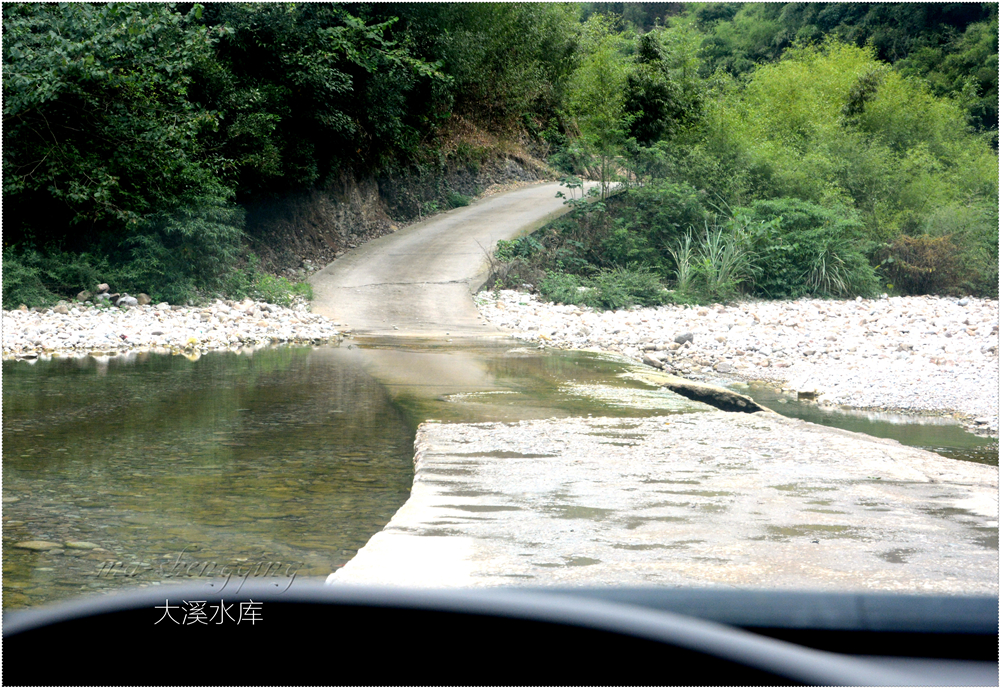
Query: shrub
[(921, 264), (621, 287), (608, 289), (724, 259), (972, 230), (22, 283), (803, 248), (650, 220), (457, 200), (40, 279)]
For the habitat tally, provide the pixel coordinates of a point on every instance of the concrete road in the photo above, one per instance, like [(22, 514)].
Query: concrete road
[(698, 499), (418, 281)]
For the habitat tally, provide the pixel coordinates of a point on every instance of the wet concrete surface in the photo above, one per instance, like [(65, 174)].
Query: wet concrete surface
[(706, 499)]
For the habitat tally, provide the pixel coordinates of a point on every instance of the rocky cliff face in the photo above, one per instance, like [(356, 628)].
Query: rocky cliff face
[(313, 228)]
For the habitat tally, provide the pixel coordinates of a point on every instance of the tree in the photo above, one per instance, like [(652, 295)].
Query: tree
[(596, 96)]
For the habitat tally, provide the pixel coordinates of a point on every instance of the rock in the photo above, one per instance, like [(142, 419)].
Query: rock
[(77, 544), (38, 545), (163, 306), (143, 299), (83, 296), (103, 288), (963, 302), (719, 397), (652, 361), (684, 337), (22, 307), (723, 367), (126, 300), (61, 309)]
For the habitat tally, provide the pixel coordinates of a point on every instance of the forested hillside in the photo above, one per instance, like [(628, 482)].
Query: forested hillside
[(769, 149)]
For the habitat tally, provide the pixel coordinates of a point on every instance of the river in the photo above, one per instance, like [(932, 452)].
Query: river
[(284, 460)]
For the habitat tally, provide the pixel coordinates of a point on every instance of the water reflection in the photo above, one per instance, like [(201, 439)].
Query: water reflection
[(275, 457), (295, 456), (130, 471), (937, 434)]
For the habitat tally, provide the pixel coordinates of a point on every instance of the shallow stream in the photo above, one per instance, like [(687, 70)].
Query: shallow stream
[(149, 470)]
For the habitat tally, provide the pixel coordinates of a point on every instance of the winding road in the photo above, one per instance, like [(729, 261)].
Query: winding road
[(417, 282)]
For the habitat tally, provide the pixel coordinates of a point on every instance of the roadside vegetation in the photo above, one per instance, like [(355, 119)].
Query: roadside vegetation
[(729, 168), (773, 150)]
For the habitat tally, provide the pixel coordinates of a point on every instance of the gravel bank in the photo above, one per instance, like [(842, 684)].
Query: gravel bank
[(918, 354), (161, 328)]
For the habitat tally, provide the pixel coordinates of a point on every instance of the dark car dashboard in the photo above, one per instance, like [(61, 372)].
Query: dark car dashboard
[(255, 633)]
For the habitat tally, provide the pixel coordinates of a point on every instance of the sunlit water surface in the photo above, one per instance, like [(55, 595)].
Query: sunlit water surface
[(150, 470)]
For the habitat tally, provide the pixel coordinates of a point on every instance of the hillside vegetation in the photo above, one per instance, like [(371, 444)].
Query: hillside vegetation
[(774, 150)]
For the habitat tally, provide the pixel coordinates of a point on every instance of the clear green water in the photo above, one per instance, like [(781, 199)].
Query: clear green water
[(283, 461), (942, 435), (286, 460)]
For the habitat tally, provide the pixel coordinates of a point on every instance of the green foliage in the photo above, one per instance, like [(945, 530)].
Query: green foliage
[(683, 255), (522, 247), (304, 89), (648, 221), (249, 281), (608, 289), (801, 248), (99, 131), (663, 92), (830, 125), (40, 279), (973, 230), (596, 96), (22, 282), (563, 287), (279, 290), (953, 46), (506, 60), (457, 200), (724, 260)]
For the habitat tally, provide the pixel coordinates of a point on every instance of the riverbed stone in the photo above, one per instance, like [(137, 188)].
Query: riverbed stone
[(148, 327), (38, 545), (80, 544), (909, 354)]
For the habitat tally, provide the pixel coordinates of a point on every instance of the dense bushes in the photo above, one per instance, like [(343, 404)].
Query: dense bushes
[(775, 150), (802, 248)]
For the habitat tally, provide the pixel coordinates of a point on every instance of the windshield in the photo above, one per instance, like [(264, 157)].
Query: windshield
[(666, 305)]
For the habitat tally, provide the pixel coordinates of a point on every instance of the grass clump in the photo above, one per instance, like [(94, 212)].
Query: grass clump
[(607, 289)]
